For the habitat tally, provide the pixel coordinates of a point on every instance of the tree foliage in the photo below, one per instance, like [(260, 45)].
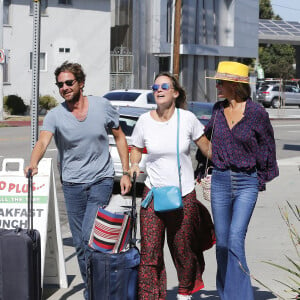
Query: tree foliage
[(276, 59), (265, 9)]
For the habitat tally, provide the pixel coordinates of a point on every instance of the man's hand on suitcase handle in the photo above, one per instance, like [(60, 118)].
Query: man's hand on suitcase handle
[(125, 183), (30, 171), (135, 169)]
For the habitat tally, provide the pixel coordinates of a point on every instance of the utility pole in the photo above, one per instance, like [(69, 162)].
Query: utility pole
[(35, 72), (176, 49)]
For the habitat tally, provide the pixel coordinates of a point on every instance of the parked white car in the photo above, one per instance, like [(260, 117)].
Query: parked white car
[(127, 120), (131, 97)]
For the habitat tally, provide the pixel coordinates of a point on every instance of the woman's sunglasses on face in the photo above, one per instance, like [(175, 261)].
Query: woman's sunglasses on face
[(219, 82), (60, 84), (164, 86)]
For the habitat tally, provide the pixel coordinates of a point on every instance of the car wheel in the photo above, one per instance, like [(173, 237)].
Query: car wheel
[(275, 102)]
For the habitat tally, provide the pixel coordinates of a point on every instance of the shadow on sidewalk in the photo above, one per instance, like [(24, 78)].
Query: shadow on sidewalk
[(213, 295), (48, 291)]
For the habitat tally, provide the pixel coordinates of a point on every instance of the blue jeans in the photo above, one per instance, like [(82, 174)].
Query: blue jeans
[(82, 201), (234, 196)]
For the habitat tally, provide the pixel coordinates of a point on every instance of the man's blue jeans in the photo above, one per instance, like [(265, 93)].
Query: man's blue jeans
[(233, 198), (82, 201)]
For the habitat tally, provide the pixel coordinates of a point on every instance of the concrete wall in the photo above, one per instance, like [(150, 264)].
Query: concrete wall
[(83, 27)]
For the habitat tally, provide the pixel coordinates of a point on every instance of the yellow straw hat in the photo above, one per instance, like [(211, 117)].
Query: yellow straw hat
[(232, 71)]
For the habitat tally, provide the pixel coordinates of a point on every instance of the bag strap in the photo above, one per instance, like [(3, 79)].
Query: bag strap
[(178, 159), (209, 147)]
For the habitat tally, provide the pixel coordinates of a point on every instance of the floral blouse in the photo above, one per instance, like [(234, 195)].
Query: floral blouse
[(248, 145)]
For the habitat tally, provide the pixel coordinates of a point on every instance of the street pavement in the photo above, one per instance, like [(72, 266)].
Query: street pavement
[(267, 239)]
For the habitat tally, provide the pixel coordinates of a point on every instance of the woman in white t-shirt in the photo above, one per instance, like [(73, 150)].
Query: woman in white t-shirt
[(189, 230)]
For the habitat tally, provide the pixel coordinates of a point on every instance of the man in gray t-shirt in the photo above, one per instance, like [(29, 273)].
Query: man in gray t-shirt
[(79, 126)]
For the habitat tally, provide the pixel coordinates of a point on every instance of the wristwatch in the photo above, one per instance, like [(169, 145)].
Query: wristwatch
[(126, 173)]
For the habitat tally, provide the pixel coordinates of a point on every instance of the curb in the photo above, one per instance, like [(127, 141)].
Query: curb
[(18, 123)]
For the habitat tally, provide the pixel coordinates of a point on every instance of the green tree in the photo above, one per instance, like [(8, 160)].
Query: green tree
[(265, 9), (276, 59)]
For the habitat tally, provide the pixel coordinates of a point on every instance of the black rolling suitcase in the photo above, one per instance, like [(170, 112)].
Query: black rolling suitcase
[(20, 259), (113, 276)]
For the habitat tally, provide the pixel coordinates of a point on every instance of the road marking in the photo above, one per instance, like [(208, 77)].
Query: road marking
[(286, 125), (51, 150), (294, 131)]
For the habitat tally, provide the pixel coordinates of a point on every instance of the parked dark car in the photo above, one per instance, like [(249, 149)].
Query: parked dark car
[(202, 110)]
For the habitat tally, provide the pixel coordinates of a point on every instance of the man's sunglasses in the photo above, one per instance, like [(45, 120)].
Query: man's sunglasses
[(219, 82), (164, 86), (67, 82)]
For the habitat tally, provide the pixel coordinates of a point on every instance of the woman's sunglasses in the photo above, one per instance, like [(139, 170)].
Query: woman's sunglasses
[(219, 82), (60, 84), (164, 86)]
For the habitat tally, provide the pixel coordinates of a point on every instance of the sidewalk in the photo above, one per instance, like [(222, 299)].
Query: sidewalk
[(284, 113), (267, 240)]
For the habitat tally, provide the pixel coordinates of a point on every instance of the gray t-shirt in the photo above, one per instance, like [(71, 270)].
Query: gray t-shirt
[(83, 145)]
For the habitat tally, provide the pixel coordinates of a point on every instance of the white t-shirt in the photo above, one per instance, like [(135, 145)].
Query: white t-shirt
[(160, 139)]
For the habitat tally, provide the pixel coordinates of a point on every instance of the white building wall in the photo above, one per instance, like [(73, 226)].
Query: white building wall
[(83, 27)]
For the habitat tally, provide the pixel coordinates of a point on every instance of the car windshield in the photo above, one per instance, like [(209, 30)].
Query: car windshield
[(150, 98), (127, 124), (122, 96)]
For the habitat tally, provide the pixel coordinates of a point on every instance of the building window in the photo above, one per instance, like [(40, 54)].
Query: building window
[(6, 6), (42, 61), (64, 50), (169, 20), (43, 4), (164, 64), (66, 2)]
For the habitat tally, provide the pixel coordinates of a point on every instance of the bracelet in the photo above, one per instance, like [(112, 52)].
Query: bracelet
[(126, 173), (135, 164)]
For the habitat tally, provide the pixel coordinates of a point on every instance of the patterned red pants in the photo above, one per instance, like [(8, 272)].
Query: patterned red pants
[(189, 233)]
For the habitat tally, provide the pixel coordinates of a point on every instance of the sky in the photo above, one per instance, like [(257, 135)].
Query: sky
[(288, 10)]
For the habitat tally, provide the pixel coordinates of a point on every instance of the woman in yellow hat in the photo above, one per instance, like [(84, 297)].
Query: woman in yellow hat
[(244, 159)]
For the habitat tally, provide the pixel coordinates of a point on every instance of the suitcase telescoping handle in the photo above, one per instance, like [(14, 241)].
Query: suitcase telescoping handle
[(30, 201), (133, 211)]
